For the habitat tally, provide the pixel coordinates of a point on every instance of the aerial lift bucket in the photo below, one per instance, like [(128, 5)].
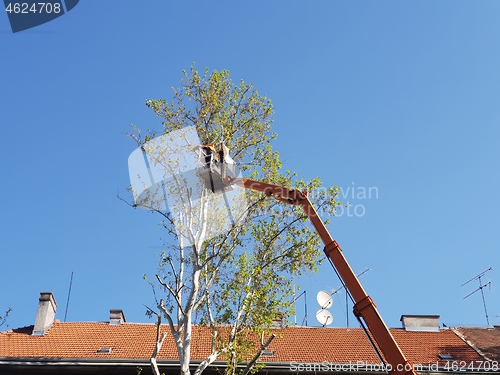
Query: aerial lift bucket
[(213, 170)]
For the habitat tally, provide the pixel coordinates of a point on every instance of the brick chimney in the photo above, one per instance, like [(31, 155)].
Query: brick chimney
[(116, 317), (45, 314)]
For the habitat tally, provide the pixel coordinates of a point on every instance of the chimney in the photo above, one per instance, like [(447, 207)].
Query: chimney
[(278, 320), (45, 314), (116, 317), (422, 323)]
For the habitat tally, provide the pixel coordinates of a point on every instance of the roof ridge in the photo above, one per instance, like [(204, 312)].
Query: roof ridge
[(206, 326)]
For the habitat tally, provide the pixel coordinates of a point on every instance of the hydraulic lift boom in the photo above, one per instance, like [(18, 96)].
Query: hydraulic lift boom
[(364, 308)]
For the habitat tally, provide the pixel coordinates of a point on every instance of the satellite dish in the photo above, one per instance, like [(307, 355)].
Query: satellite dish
[(324, 317), (324, 299)]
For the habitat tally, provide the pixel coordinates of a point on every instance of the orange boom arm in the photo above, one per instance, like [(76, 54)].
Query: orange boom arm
[(364, 307)]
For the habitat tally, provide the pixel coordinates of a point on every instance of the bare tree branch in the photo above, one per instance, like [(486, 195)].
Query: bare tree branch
[(159, 343), (172, 292)]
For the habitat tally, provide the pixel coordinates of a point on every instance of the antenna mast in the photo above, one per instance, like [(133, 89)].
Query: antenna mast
[(305, 305), (347, 295), (481, 287), (69, 294)]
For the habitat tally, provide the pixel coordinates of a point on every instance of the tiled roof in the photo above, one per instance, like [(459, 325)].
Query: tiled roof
[(487, 340), (300, 344)]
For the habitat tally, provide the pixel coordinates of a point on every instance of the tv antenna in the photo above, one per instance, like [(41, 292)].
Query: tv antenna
[(305, 305), (481, 287), (325, 300), (347, 295)]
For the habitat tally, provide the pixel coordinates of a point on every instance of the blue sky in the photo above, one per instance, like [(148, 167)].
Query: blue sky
[(399, 96)]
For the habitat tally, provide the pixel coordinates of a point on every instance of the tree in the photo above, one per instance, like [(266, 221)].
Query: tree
[(240, 279), (3, 319)]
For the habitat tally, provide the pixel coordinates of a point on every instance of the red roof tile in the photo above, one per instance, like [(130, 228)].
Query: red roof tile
[(299, 344), (487, 340)]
